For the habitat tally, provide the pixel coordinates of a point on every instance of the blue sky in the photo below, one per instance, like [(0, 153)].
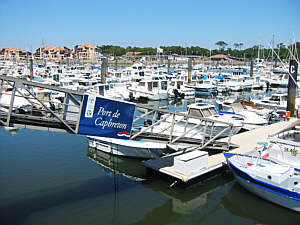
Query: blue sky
[(29, 24)]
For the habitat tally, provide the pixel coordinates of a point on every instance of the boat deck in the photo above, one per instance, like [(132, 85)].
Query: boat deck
[(247, 141)]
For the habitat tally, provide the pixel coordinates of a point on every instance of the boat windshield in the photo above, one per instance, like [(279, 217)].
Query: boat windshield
[(206, 112), (213, 111), (275, 98), (238, 107), (195, 112)]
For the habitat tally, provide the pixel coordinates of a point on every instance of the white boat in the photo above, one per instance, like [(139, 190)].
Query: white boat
[(236, 84), (270, 114), (277, 102), (150, 89), (204, 87), (277, 183), (177, 88), (284, 146), (113, 90), (250, 119), (128, 148), (207, 111)]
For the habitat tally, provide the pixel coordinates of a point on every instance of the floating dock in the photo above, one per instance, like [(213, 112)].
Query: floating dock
[(246, 141)]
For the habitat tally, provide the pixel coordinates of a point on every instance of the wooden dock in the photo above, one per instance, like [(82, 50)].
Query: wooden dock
[(247, 141)]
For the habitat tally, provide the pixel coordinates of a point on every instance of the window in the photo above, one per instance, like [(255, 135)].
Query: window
[(206, 112), (213, 111), (195, 112), (164, 85)]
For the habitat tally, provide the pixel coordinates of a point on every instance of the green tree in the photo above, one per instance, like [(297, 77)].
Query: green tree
[(221, 45), (236, 45), (240, 46)]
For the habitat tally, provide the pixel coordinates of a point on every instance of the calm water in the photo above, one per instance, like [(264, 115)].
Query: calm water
[(54, 178)]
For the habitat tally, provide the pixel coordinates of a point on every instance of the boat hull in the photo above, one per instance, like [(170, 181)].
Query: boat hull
[(128, 148), (268, 192)]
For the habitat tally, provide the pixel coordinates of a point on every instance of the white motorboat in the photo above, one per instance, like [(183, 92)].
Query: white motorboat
[(250, 119), (128, 148), (277, 102), (204, 87), (284, 146), (275, 182), (150, 89), (207, 111), (177, 88)]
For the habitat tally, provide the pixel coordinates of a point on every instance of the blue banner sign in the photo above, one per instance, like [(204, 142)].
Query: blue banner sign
[(106, 117)]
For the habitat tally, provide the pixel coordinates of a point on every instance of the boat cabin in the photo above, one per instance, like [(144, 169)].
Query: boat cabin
[(277, 99), (202, 110)]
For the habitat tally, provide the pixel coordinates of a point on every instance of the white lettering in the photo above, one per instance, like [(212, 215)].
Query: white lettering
[(104, 123), (102, 112), (292, 69)]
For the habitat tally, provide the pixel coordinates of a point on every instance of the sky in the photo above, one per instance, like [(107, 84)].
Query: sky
[(30, 24)]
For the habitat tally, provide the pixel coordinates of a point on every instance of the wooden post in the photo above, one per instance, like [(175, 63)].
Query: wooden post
[(189, 70), (31, 68), (251, 68), (103, 70)]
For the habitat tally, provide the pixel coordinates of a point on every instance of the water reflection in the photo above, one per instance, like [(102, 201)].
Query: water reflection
[(199, 203), (242, 203), (112, 164)]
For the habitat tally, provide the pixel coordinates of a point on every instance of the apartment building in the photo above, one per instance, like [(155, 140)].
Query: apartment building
[(86, 52), (52, 53), (14, 54)]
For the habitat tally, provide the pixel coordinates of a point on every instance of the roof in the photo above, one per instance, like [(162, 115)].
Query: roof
[(86, 46), (132, 53), (14, 49), (220, 56)]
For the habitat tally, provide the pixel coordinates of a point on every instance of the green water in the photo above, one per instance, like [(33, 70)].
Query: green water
[(54, 178)]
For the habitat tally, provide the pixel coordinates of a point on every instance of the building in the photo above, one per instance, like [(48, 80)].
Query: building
[(87, 52), (132, 53), (221, 57), (52, 53), (14, 54)]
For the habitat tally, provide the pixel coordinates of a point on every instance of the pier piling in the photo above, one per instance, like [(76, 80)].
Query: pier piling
[(292, 85)]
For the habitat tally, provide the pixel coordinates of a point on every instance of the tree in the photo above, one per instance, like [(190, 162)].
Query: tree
[(221, 45), (236, 45), (240, 46)]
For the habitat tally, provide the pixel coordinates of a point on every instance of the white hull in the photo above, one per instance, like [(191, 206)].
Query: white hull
[(270, 196), (128, 148), (275, 182)]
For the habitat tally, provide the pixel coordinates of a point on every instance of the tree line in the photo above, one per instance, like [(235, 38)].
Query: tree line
[(253, 52)]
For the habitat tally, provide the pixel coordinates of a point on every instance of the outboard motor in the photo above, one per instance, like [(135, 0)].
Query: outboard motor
[(147, 123), (177, 94), (131, 98)]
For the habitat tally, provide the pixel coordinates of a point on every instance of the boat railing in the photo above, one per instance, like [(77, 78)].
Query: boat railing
[(200, 125), (66, 119)]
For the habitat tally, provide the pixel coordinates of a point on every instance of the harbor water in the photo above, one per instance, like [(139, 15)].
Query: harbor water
[(55, 178)]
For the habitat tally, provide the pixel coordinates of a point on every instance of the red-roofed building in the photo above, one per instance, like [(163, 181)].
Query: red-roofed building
[(87, 52), (222, 57), (14, 54), (132, 53), (52, 53)]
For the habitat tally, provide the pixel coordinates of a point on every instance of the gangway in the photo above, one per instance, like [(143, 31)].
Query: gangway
[(63, 115)]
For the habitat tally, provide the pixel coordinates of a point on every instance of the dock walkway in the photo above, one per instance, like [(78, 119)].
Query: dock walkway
[(247, 141)]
